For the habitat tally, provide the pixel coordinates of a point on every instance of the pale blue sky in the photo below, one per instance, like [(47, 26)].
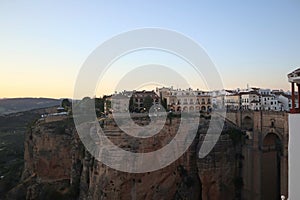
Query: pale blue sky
[(44, 43)]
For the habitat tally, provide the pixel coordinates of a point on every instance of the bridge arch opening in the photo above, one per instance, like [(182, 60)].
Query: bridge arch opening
[(185, 109), (178, 109), (247, 123), (191, 109), (271, 157)]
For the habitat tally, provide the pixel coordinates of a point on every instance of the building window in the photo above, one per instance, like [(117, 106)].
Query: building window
[(272, 123)]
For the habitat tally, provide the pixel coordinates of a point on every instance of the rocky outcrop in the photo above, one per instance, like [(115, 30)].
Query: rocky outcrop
[(176, 181), (57, 164), (48, 158), (48, 151), (218, 171)]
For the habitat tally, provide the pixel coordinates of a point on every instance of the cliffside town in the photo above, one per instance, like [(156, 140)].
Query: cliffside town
[(190, 100), (249, 161), (238, 99)]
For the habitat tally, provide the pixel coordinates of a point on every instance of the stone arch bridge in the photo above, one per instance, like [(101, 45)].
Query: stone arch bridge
[(265, 153)]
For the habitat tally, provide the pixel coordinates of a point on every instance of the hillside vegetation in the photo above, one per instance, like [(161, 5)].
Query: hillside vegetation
[(13, 105)]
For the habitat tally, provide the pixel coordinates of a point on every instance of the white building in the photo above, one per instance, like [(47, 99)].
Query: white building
[(286, 101), (239, 99), (232, 100), (188, 100), (270, 102), (255, 105), (249, 100), (218, 99), (264, 91)]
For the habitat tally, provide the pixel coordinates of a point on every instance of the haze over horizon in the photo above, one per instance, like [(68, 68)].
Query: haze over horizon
[(44, 44)]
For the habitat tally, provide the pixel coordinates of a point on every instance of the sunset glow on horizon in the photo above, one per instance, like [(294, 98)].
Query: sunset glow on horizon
[(44, 44)]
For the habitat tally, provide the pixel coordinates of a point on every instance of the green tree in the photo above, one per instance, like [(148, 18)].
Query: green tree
[(164, 103), (131, 104), (87, 105), (66, 104), (99, 106)]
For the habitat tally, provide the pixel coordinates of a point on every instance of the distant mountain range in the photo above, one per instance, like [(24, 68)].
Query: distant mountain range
[(13, 105)]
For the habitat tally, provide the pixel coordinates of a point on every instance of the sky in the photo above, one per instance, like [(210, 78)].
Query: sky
[(43, 44)]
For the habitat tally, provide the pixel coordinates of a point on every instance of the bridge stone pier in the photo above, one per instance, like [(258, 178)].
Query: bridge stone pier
[(264, 153)]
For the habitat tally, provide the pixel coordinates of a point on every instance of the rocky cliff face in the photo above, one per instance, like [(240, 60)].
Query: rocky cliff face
[(48, 157), (48, 151), (219, 171), (176, 181), (57, 166)]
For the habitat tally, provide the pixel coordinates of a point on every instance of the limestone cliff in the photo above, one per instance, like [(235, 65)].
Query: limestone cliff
[(49, 151), (58, 167), (219, 171)]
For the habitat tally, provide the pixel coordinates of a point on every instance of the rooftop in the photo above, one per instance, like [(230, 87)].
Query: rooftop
[(294, 77)]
